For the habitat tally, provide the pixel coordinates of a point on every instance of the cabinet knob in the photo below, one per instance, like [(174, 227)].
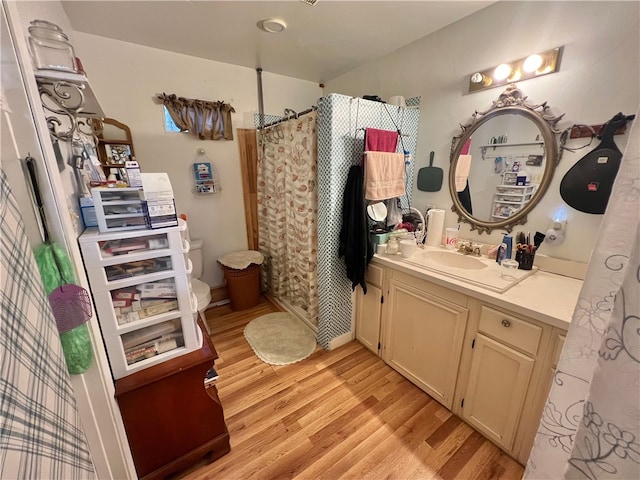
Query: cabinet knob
[(506, 323)]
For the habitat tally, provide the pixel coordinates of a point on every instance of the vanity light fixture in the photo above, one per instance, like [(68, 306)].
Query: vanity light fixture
[(532, 66)]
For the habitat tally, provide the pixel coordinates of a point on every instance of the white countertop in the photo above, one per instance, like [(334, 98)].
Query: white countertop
[(543, 296)]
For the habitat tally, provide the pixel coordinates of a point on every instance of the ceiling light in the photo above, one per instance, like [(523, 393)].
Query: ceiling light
[(525, 68), (309, 2), (272, 25)]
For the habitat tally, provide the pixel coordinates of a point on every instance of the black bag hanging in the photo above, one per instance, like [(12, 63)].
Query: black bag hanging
[(587, 185)]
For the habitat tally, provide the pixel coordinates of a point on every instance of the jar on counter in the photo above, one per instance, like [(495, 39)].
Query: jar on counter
[(393, 245), (50, 48)]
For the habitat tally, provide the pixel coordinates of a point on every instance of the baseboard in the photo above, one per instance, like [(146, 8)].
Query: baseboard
[(341, 340), (218, 294)]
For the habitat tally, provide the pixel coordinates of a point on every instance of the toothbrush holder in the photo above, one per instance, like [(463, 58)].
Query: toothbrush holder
[(525, 260)]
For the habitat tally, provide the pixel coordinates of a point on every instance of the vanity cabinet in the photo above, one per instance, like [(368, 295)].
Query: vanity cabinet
[(369, 309), (490, 365), (504, 352), (423, 334), (506, 376)]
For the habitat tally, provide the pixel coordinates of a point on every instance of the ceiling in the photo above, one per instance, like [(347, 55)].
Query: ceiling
[(320, 43)]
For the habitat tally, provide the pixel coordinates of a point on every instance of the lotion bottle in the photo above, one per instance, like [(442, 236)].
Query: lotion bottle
[(507, 240)]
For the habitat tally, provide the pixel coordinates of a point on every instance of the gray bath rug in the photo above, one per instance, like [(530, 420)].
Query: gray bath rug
[(280, 338)]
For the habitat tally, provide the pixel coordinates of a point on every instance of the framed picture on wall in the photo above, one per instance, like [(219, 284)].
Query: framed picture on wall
[(117, 153)]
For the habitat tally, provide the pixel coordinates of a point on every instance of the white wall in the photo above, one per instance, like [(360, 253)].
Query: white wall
[(598, 77), (126, 77)]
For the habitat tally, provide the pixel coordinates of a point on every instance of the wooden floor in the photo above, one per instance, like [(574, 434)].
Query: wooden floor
[(334, 415)]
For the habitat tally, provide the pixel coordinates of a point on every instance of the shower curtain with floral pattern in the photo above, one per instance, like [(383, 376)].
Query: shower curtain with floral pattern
[(288, 212), (590, 427)]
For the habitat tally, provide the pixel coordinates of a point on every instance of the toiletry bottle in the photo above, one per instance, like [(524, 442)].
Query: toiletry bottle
[(502, 253), (508, 241)]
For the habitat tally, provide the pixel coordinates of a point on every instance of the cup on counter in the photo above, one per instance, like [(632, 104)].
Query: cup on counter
[(508, 268), (451, 238)]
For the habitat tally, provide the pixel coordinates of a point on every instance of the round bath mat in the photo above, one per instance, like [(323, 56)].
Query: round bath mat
[(280, 338)]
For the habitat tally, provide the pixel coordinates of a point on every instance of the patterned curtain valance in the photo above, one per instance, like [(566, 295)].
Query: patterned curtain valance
[(206, 120)]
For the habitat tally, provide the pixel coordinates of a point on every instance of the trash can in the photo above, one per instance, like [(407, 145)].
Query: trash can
[(242, 274)]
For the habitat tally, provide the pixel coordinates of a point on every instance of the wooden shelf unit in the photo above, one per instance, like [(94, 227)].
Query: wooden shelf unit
[(172, 420)]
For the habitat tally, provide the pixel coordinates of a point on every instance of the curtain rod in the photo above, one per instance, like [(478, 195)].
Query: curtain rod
[(284, 119)]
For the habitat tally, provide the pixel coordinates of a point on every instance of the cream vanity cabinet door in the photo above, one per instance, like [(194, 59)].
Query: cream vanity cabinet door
[(423, 334), (504, 351), (369, 309)]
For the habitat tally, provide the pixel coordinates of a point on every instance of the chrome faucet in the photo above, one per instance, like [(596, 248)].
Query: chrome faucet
[(468, 248)]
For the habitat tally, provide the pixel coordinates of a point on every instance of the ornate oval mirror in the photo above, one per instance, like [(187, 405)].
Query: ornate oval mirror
[(503, 161)]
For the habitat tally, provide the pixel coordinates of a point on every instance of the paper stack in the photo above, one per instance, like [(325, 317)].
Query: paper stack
[(159, 197)]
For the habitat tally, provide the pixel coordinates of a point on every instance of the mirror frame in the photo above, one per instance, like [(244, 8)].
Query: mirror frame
[(511, 101)]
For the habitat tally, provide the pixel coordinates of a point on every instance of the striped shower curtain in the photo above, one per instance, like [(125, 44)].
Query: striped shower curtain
[(40, 431), (288, 212)]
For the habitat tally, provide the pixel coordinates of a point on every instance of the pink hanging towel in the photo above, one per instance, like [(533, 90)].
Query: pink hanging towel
[(383, 175), (380, 140)]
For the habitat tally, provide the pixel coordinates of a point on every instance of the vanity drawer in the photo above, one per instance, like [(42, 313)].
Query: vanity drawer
[(518, 333), (373, 275)]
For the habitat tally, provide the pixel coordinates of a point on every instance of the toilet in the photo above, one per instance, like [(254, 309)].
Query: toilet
[(200, 289)]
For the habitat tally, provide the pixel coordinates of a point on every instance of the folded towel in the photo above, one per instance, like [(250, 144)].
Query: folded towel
[(380, 140), (465, 148), (463, 167), (383, 175)]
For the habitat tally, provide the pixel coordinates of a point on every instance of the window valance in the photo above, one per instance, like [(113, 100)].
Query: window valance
[(207, 120)]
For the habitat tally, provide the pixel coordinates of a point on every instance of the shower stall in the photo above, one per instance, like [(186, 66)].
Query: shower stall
[(297, 189)]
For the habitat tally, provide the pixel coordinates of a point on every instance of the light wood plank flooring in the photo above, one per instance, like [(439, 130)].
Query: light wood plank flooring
[(339, 414)]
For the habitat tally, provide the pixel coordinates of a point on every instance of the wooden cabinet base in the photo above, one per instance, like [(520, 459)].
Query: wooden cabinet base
[(171, 419), (212, 450)]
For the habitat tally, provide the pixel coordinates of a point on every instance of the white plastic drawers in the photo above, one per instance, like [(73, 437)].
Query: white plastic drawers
[(141, 289), (119, 209)]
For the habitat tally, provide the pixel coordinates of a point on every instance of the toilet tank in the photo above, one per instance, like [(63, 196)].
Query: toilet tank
[(195, 255)]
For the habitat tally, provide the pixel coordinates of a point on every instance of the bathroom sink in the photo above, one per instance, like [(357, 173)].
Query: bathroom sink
[(454, 259), (481, 271)]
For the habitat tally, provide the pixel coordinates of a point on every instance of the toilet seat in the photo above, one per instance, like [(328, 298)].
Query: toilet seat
[(202, 292)]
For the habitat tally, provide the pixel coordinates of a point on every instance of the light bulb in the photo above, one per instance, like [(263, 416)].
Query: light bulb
[(532, 63), (502, 72), (516, 76), (477, 78)]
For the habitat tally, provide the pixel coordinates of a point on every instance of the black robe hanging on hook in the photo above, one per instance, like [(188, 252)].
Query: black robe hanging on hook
[(355, 246)]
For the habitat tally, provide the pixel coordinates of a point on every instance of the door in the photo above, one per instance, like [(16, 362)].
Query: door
[(368, 310), (496, 391), (423, 339), (23, 132)]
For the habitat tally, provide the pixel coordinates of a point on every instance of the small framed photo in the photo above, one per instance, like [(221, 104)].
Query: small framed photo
[(117, 153)]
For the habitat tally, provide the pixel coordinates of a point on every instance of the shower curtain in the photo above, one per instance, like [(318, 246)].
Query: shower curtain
[(288, 212), (590, 426), (41, 434)]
